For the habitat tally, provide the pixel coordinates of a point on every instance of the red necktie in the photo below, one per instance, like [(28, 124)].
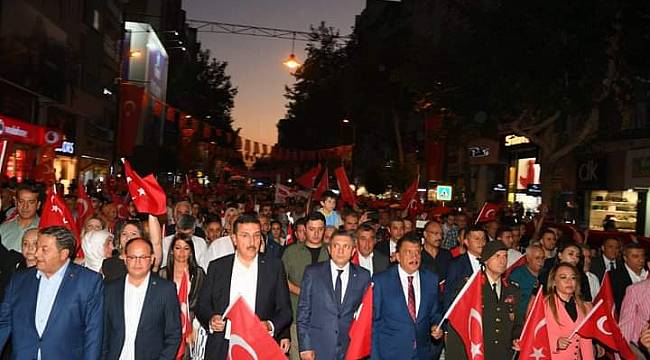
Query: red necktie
[(411, 302)]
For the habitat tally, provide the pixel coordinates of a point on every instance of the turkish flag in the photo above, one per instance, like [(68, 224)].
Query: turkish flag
[(347, 195), (323, 185), (55, 213), (249, 339), (465, 315), (147, 195), (533, 341), (129, 117), (600, 325), (488, 213), (186, 324), (84, 204), (307, 179), (290, 238), (361, 329), (410, 194), (606, 293)]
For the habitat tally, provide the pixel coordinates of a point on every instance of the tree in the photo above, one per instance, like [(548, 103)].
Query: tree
[(545, 69), (316, 105)]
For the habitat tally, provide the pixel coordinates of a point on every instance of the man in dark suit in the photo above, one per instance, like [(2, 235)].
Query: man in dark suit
[(396, 231), (152, 329), (330, 293), (369, 258), (53, 310), (465, 265), (405, 306), (501, 325), (261, 281), (630, 273), (608, 259)]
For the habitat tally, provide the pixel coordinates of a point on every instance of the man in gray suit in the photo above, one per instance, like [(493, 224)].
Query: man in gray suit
[(331, 292)]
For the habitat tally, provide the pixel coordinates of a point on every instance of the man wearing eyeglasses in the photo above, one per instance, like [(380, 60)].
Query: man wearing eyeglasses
[(141, 317), (259, 280)]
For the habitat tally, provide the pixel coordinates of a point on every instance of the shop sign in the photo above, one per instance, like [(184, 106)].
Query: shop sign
[(592, 174), (513, 139), (26, 133), (483, 152), (637, 169), (67, 147), (534, 190)]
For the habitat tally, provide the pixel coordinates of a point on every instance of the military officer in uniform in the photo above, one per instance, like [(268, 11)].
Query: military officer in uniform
[(501, 325)]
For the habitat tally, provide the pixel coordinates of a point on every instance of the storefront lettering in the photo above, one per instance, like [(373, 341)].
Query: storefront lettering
[(16, 131), (479, 152), (587, 171), (516, 140), (66, 148)]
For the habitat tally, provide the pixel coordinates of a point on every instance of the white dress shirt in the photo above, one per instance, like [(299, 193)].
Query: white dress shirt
[(608, 265), (219, 248), (345, 276), (392, 246), (594, 284), (476, 264), (636, 278), (366, 262), (200, 250), (133, 301), (498, 285), (47, 290), (243, 281), (403, 278)]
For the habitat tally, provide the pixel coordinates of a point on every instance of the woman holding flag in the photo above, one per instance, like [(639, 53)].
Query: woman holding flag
[(565, 310), (182, 268)]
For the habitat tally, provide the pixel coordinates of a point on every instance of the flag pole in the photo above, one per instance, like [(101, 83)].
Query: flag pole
[(584, 321), (479, 213), (457, 299)]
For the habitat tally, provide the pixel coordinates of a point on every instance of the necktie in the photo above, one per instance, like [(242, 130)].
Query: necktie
[(338, 286), (411, 302), (494, 289), (611, 266)]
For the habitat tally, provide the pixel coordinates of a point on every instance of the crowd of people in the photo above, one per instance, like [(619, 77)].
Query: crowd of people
[(302, 271)]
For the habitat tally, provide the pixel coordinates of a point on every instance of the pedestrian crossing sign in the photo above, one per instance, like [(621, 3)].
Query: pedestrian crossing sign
[(444, 192)]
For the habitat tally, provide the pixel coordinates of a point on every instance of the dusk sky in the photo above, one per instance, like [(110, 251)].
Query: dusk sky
[(255, 63)]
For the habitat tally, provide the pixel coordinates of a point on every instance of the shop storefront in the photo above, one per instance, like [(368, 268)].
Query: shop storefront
[(25, 147), (523, 173), (65, 163)]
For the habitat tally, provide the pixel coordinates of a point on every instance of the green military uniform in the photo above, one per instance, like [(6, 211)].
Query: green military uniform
[(501, 325)]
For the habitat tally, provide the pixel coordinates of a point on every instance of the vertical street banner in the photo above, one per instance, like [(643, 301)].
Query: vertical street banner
[(130, 111)]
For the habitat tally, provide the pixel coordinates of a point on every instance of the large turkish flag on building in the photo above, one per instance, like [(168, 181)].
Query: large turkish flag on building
[(248, 337), (130, 111)]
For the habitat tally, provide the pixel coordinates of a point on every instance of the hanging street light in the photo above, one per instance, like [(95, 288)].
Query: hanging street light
[(292, 61)]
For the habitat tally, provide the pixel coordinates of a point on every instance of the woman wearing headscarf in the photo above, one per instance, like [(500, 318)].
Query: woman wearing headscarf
[(97, 246)]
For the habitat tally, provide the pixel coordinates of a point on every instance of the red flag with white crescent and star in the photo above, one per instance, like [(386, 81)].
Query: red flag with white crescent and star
[(533, 341), (84, 204), (599, 324), (186, 324), (360, 331), (307, 179), (488, 213), (465, 315), (56, 213), (290, 240), (249, 339), (146, 194)]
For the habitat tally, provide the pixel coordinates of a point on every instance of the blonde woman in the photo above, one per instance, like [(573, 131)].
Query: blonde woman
[(565, 310)]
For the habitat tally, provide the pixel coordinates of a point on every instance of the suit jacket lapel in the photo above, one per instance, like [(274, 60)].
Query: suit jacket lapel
[(59, 301), (400, 290), (119, 303), (352, 282), (32, 298), (327, 269), (423, 286), (261, 291)]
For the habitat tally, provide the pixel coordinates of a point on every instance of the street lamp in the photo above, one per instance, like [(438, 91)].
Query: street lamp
[(292, 61)]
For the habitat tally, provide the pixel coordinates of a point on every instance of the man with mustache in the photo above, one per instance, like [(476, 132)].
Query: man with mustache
[(406, 306), (259, 280)]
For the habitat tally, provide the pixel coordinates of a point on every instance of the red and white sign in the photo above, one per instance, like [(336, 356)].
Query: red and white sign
[(26, 133)]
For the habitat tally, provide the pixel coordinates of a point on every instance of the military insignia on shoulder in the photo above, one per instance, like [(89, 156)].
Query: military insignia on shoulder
[(514, 283)]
